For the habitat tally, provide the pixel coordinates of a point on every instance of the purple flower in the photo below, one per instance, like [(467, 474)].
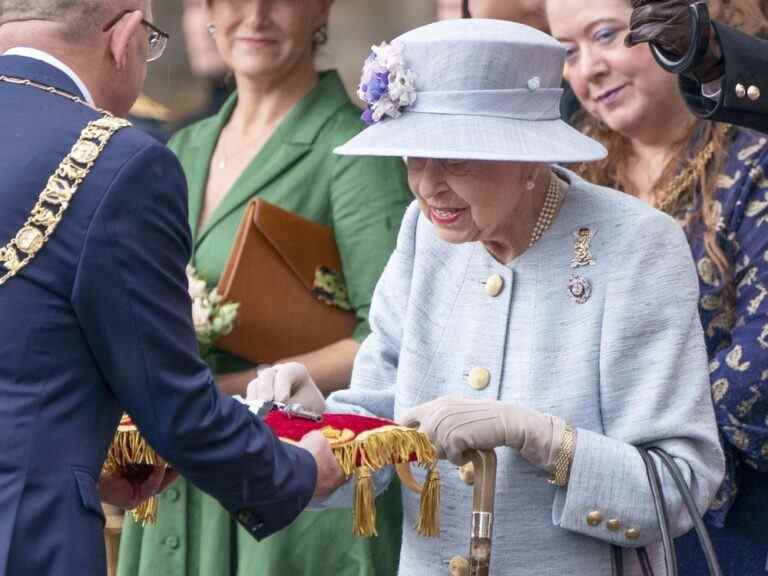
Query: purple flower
[(386, 85), (376, 87)]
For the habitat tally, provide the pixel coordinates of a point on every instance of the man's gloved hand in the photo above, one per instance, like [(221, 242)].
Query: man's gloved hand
[(458, 424), (289, 383), (667, 24)]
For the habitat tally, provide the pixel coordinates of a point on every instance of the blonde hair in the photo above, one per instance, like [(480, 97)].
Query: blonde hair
[(695, 160)]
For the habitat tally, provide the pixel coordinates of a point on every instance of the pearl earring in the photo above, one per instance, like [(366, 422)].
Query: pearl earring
[(211, 29)]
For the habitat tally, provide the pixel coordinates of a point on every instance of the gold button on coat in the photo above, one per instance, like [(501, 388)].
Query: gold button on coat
[(594, 518), (632, 534), (753, 93), (614, 524), (479, 378), (494, 285), (459, 566), (740, 90)]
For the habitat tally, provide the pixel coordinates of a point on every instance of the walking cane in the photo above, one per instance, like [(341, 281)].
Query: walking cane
[(484, 466), (479, 472)]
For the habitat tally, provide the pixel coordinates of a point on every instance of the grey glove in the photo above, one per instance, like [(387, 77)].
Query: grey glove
[(458, 424), (289, 383)]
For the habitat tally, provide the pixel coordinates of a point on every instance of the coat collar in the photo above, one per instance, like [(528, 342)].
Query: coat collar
[(38, 71), (289, 143)]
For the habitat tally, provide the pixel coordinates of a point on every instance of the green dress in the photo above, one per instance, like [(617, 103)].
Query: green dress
[(363, 199)]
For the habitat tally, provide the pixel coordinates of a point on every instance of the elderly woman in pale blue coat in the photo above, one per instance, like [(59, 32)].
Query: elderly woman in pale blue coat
[(525, 310)]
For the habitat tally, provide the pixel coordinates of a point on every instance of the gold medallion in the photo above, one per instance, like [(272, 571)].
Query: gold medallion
[(85, 152), (29, 239)]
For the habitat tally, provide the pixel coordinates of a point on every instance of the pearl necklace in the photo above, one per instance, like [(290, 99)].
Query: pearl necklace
[(552, 202)]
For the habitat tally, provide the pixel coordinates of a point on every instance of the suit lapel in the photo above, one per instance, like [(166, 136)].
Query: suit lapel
[(270, 162), (196, 159), (291, 141)]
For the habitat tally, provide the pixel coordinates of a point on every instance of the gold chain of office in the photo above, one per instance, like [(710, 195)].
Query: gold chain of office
[(61, 186)]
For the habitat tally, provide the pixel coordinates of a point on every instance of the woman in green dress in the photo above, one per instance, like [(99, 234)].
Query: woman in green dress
[(273, 140)]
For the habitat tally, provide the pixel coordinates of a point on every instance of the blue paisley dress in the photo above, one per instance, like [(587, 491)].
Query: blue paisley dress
[(737, 343)]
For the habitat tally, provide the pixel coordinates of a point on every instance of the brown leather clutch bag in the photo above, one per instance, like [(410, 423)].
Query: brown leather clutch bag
[(285, 272)]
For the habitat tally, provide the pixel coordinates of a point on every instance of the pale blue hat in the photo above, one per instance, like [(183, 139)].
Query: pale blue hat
[(468, 89)]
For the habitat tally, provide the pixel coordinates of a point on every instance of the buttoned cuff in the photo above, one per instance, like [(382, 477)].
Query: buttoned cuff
[(607, 496)]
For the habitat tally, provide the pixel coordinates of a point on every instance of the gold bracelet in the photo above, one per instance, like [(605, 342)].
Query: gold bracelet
[(562, 468)]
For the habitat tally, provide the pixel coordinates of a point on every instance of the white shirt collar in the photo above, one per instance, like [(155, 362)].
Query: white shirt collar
[(56, 63)]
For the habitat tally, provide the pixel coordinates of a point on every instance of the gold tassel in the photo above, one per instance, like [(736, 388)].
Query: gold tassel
[(429, 512), (130, 455), (377, 449), (364, 517)]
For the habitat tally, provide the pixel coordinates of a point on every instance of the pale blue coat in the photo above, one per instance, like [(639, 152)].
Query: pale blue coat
[(626, 367)]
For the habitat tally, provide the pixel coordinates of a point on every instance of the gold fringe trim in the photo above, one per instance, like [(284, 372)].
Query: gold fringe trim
[(128, 450), (377, 449)]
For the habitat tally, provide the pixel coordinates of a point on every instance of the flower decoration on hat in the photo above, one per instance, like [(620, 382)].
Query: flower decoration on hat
[(387, 85)]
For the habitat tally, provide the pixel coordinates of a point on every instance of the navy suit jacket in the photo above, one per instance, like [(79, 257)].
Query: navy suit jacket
[(746, 63), (99, 322)]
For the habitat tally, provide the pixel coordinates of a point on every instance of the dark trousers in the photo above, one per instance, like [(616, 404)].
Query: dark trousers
[(742, 544)]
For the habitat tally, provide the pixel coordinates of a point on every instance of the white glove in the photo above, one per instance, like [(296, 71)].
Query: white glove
[(458, 424), (289, 383)]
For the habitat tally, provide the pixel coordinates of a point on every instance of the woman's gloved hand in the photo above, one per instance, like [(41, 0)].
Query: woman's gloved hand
[(458, 424), (289, 383), (668, 26)]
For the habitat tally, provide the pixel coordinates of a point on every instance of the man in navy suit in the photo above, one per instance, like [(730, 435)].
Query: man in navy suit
[(723, 77), (94, 312)]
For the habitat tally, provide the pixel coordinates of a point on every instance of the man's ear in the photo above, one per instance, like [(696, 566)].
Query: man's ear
[(120, 37)]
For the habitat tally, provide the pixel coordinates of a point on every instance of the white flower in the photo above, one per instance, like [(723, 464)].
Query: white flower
[(201, 313), (197, 287), (214, 297), (402, 89), (385, 107), (389, 56)]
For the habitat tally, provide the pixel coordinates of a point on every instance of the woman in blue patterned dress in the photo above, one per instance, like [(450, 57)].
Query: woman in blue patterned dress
[(714, 179)]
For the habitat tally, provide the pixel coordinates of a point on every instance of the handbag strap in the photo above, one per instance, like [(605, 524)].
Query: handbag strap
[(698, 524), (670, 557), (657, 492)]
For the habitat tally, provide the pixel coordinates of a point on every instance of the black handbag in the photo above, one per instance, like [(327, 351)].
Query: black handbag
[(670, 558)]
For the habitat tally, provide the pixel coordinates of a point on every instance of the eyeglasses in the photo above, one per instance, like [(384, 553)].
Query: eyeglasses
[(157, 39), (452, 167)]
